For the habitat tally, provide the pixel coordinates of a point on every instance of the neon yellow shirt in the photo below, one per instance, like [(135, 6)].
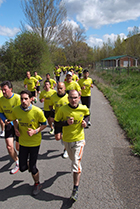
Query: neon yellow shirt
[(72, 85), (57, 72), (38, 77), (52, 82), (7, 105), (87, 83), (31, 83), (46, 95), (75, 77), (1, 94), (74, 132), (80, 69), (30, 119), (58, 101)]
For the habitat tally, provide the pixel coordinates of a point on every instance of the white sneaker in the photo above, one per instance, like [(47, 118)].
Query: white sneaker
[(89, 123), (65, 154), (15, 170), (2, 134)]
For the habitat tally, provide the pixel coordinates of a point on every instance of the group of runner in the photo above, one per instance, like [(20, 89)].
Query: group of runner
[(66, 117)]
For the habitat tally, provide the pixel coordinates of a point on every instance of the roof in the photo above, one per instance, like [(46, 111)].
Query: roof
[(116, 57)]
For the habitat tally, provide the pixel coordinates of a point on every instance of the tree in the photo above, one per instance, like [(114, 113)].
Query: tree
[(44, 16), (72, 40), (28, 52)]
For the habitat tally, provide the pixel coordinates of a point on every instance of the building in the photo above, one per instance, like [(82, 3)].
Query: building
[(119, 61)]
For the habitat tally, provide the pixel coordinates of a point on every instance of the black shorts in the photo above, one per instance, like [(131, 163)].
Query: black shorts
[(47, 114), (52, 113), (86, 101), (32, 154), (57, 129), (10, 132), (33, 93), (38, 88)]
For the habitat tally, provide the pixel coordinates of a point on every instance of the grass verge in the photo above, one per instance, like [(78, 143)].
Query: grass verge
[(123, 92)]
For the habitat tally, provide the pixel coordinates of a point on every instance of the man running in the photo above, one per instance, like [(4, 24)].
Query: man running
[(31, 84), (31, 122), (57, 100), (45, 96), (7, 103), (73, 118), (38, 77), (52, 81), (70, 84), (86, 84)]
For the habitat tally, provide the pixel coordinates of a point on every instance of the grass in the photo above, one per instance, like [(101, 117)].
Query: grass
[(123, 92)]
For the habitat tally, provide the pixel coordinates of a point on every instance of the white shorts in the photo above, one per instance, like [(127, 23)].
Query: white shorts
[(75, 152)]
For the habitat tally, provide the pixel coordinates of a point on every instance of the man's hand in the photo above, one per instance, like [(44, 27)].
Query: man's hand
[(31, 132), (70, 121), (17, 132), (42, 100), (7, 122), (83, 87), (84, 124)]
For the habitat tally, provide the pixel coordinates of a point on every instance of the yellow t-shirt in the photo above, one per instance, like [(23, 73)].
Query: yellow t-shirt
[(58, 72), (75, 77), (52, 82), (38, 77), (31, 83), (58, 101), (29, 119), (7, 105), (1, 94), (72, 86), (46, 95), (80, 69), (87, 83), (74, 132)]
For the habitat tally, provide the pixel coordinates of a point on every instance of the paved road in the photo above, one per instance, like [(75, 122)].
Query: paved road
[(110, 178)]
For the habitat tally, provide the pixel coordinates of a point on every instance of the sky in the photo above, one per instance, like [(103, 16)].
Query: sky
[(101, 19)]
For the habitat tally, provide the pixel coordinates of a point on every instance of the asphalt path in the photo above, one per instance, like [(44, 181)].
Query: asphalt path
[(110, 178)]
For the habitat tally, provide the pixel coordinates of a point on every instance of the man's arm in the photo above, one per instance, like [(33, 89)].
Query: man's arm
[(31, 132)]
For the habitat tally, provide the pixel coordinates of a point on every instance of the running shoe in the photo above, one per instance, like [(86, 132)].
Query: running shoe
[(2, 134), (51, 131), (35, 100), (36, 189), (65, 154), (74, 195), (15, 170), (89, 123)]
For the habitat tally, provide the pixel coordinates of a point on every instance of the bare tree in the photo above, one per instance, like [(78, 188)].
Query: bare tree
[(71, 39), (43, 16)]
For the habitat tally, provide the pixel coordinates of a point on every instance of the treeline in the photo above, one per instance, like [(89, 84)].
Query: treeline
[(29, 52), (129, 46)]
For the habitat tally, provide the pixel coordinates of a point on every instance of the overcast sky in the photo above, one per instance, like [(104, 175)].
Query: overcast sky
[(102, 19)]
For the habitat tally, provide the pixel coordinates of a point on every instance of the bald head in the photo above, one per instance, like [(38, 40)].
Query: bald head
[(61, 88)]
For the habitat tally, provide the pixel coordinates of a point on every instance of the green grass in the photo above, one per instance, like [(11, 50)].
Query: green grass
[(123, 92)]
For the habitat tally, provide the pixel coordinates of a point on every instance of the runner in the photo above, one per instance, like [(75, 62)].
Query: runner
[(31, 84), (80, 69), (38, 77), (86, 84), (52, 81), (7, 103), (31, 122), (2, 124), (57, 73), (70, 84), (73, 118), (57, 100), (45, 96)]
